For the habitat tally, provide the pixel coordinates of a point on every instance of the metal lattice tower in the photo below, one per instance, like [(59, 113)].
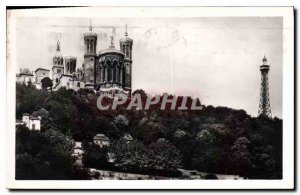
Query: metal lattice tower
[(264, 103)]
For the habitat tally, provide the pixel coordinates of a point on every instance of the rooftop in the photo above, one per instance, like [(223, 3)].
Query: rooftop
[(101, 136)]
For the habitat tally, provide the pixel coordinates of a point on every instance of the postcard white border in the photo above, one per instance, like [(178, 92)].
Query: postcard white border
[(288, 97)]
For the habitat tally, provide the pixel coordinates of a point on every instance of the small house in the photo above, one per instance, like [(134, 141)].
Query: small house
[(32, 122), (101, 140)]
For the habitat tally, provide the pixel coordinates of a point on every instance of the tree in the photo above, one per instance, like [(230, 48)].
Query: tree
[(163, 155), (122, 122), (46, 155), (129, 154), (94, 156), (139, 91), (47, 83), (241, 157)]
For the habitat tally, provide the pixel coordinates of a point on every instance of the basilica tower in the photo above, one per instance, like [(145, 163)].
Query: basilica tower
[(58, 65), (90, 44), (126, 48)]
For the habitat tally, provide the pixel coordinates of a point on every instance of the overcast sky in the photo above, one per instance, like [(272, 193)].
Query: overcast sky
[(215, 59)]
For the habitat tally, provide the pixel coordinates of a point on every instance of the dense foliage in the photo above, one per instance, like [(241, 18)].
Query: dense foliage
[(214, 140), (45, 156)]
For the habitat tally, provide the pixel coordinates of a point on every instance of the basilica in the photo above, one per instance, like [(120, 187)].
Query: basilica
[(108, 71)]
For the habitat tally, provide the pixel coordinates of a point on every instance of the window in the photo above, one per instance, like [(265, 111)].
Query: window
[(58, 71), (68, 84), (43, 73), (91, 70), (92, 80), (33, 126), (56, 80), (78, 84)]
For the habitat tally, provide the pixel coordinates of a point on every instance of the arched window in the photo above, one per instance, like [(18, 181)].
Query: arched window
[(108, 70), (127, 51), (87, 45), (92, 46), (115, 63)]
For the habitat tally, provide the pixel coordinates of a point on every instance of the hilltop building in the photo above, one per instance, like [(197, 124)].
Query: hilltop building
[(108, 71), (25, 76)]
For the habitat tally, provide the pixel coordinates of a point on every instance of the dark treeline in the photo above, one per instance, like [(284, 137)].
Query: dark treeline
[(214, 139)]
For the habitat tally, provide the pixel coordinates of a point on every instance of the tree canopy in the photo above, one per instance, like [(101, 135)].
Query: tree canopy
[(214, 139)]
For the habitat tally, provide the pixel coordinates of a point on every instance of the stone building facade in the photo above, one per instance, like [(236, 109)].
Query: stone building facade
[(40, 73), (108, 71), (32, 122), (58, 65), (25, 76)]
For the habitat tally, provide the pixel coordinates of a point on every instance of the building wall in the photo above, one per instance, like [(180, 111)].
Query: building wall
[(69, 83), (25, 120), (89, 65), (30, 123), (90, 44), (70, 65), (36, 124), (57, 71), (127, 67), (25, 79), (40, 74)]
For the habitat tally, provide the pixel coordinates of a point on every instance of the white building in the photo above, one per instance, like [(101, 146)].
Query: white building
[(69, 82), (40, 73), (101, 140), (77, 150), (32, 122), (25, 76)]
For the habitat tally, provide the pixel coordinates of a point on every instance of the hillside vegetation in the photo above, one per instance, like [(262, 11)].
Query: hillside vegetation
[(214, 139)]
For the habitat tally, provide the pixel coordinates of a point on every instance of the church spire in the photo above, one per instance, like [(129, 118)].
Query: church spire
[(126, 33), (91, 27), (58, 46)]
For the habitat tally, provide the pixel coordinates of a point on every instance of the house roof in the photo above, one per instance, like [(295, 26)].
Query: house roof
[(35, 118), (101, 136), (41, 69)]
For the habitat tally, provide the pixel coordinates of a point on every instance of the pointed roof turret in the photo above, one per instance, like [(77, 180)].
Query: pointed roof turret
[(90, 32), (126, 33), (58, 46), (126, 38), (91, 27), (58, 53)]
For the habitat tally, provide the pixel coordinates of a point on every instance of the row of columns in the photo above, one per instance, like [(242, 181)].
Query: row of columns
[(112, 73)]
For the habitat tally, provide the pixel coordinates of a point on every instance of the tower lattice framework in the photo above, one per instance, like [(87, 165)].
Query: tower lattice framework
[(264, 104)]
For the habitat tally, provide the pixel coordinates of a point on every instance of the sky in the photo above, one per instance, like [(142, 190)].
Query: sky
[(216, 59)]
